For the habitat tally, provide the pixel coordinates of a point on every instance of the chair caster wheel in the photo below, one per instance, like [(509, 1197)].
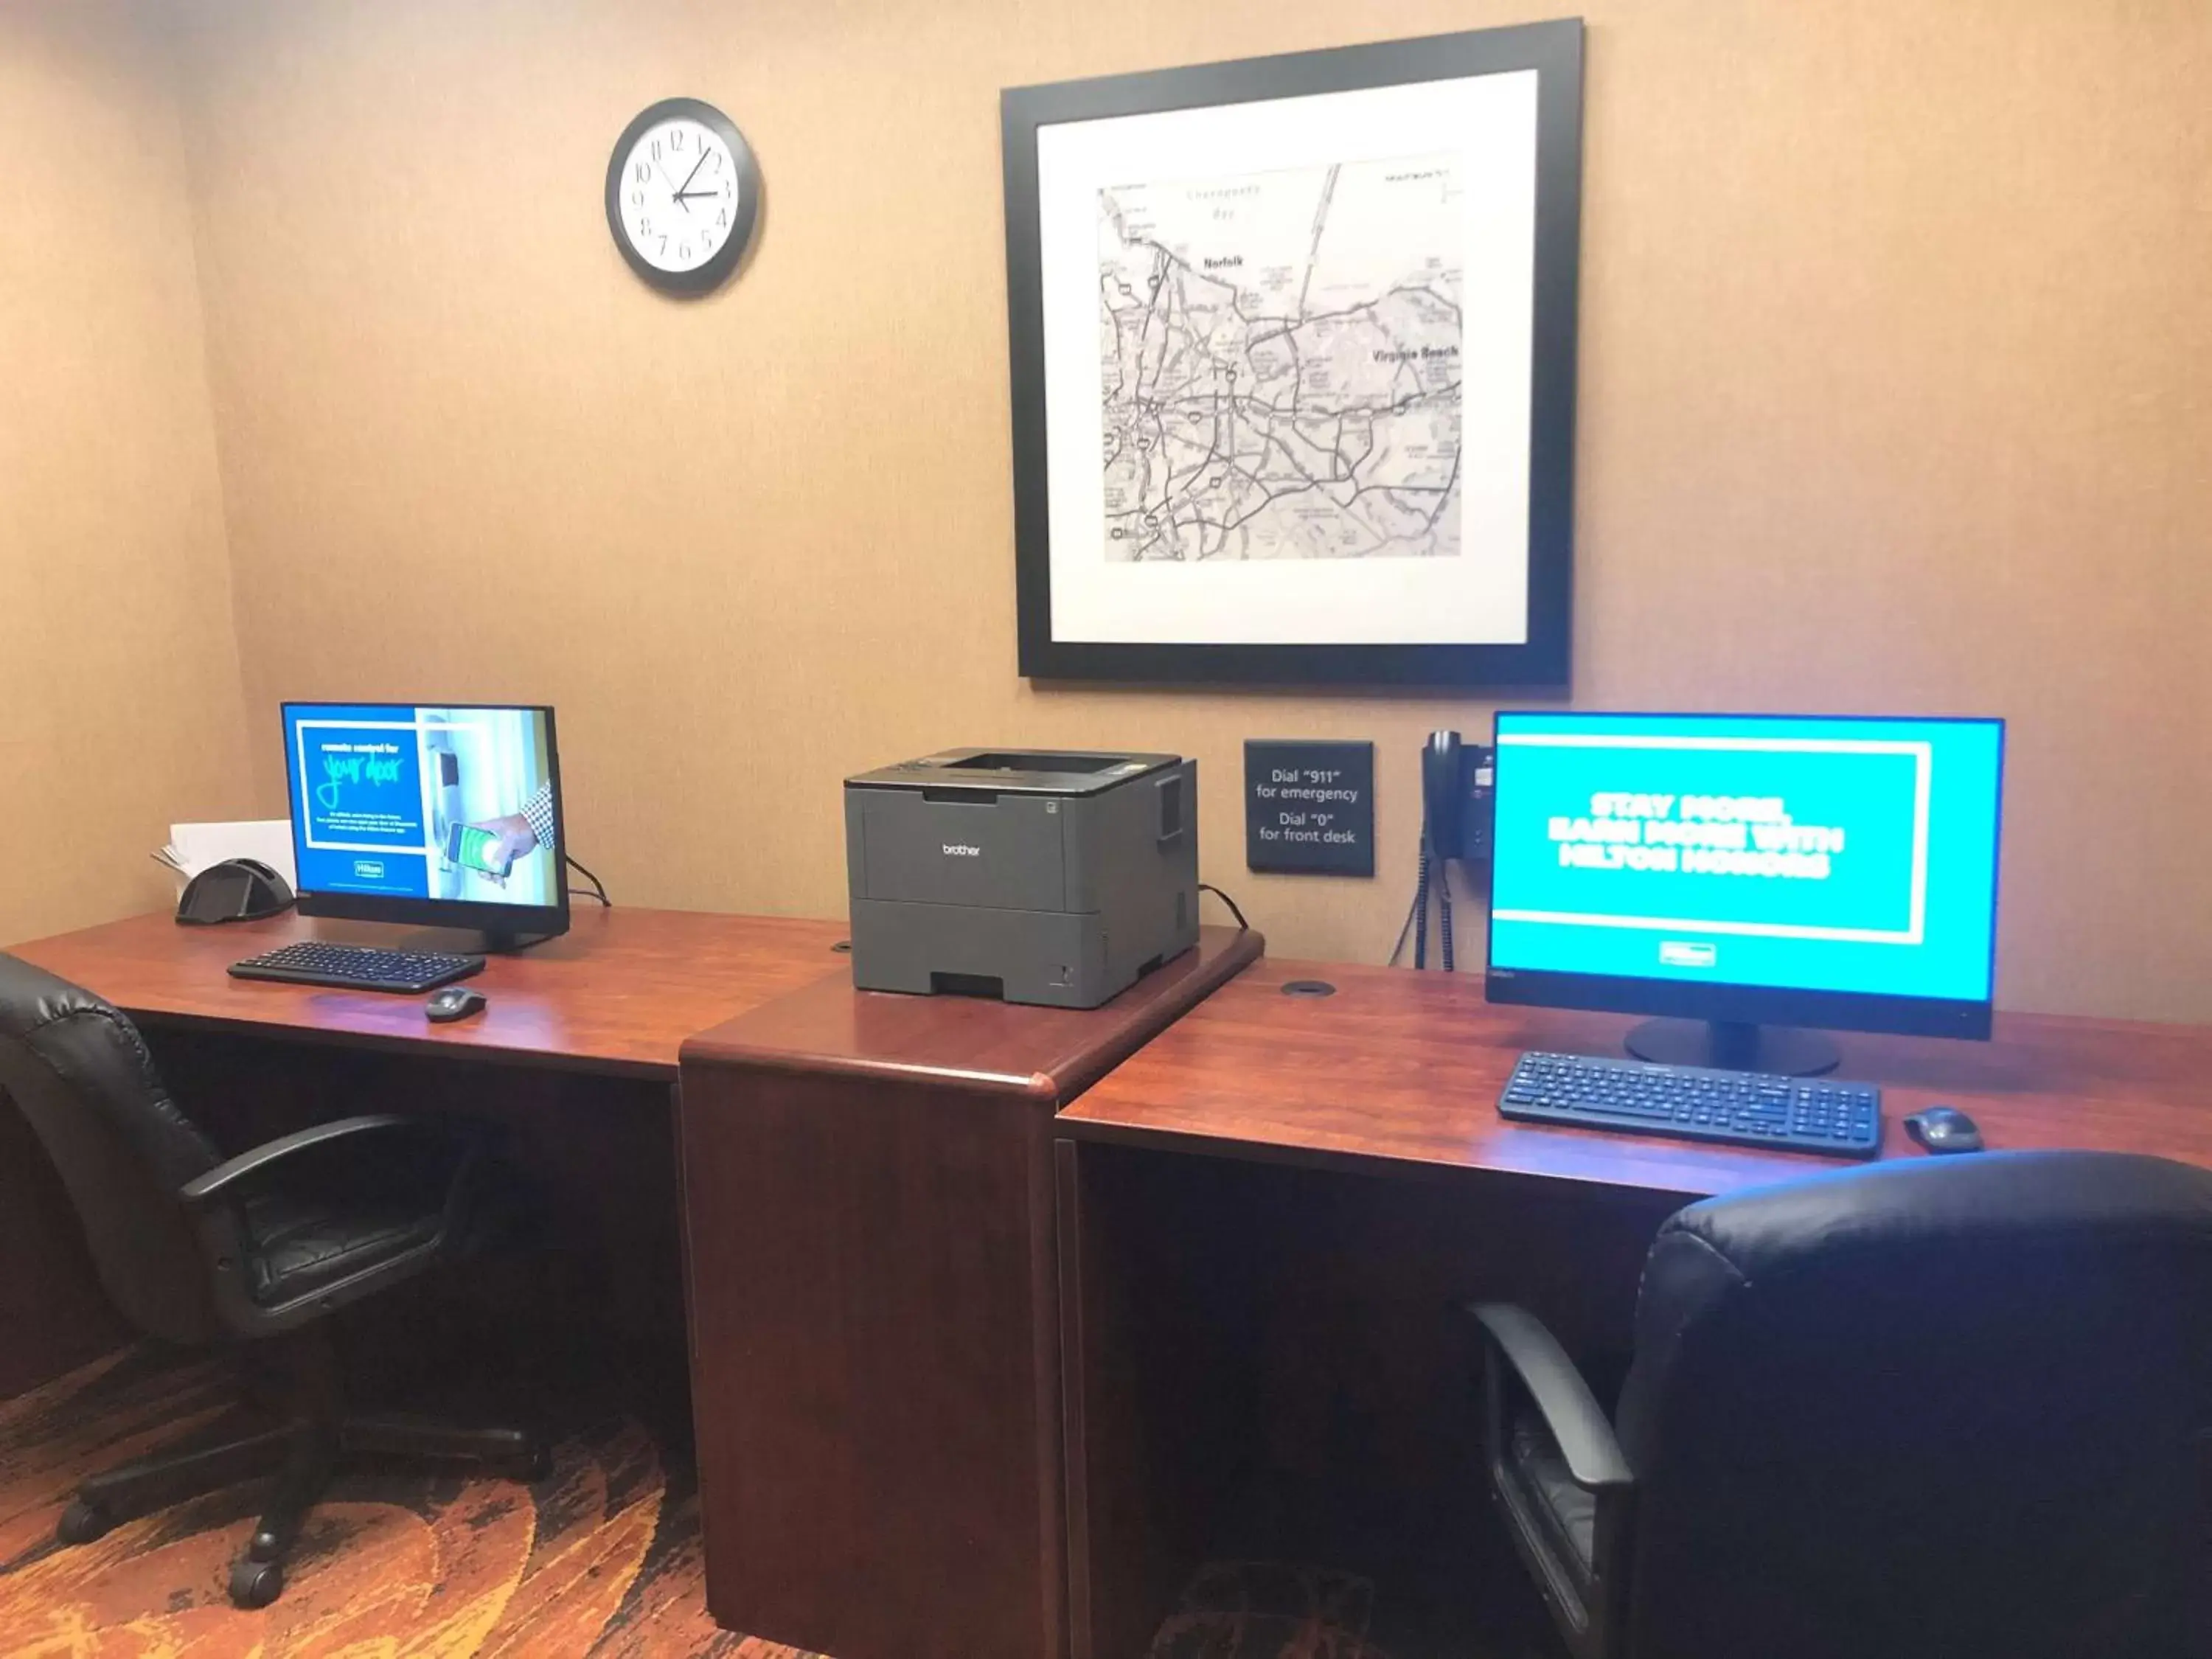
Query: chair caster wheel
[(83, 1521), (255, 1584)]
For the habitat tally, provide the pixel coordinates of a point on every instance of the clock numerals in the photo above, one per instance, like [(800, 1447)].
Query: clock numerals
[(657, 197)]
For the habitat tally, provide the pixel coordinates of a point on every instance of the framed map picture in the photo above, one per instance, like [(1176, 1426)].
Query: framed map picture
[(1293, 364)]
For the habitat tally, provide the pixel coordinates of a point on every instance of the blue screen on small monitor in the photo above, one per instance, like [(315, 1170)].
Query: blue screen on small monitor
[(1808, 853), (406, 802)]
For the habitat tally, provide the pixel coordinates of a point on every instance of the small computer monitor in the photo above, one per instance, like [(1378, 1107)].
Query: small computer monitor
[(443, 816), (1748, 871)]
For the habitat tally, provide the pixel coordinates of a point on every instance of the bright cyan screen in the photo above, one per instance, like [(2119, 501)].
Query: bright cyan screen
[(1800, 853)]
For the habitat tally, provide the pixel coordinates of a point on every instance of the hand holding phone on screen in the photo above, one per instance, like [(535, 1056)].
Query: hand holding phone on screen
[(491, 848)]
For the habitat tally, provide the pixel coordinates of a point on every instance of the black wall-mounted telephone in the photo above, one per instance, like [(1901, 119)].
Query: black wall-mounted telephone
[(1455, 827)]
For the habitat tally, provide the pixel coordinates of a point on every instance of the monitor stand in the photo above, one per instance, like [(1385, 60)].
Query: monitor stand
[(469, 941), (1734, 1046)]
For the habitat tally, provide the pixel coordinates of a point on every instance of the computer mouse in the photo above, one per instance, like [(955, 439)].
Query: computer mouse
[(1944, 1129), (454, 1002)]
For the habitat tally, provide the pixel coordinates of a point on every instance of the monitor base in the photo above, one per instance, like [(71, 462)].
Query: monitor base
[(1734, 1046), (469, 941)]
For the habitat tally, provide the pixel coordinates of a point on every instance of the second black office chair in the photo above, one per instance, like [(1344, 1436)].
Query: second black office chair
[(1925, 1410), (247, 1255)]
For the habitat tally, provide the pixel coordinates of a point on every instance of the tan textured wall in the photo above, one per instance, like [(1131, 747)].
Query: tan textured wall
[(1897, 334), (119, 702)]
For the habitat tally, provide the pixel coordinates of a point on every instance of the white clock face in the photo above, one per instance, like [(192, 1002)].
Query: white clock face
[(679, 195)]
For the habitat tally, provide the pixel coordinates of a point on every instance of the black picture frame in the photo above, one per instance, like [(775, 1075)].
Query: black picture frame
[(706, 278), (1554, 50)]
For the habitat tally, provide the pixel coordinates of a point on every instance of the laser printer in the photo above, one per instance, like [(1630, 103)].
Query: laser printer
[(1057, 876)]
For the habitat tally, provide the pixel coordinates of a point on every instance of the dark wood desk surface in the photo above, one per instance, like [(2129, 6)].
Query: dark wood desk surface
[(618, 994), (1404, 1069), (968, 1043)]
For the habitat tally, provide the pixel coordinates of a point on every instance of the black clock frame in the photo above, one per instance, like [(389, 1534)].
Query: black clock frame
[(706, 278)]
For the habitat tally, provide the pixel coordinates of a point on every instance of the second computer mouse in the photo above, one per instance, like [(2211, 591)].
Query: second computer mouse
[(1944, 1129), (454, 1002)]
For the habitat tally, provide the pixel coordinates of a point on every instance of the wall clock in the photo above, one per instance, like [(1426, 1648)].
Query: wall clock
[(683, 195)]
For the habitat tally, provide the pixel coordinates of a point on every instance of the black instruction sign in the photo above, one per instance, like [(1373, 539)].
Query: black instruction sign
[(1310, 807)]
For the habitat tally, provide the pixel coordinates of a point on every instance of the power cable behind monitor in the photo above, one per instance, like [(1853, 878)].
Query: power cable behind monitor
[(598, 889)]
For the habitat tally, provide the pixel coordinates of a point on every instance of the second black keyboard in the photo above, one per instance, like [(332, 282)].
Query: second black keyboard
[(358, 967), (1696, 1102)]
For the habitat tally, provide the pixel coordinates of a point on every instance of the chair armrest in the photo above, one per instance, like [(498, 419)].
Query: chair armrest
[(222, 1180), (1570, 1412)]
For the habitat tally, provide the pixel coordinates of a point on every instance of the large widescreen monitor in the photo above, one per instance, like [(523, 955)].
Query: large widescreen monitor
[(446, 816), (1749, 869)]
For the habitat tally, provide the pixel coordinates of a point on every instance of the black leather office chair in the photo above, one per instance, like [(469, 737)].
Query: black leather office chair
[(1959, 1408), (247, 1254)]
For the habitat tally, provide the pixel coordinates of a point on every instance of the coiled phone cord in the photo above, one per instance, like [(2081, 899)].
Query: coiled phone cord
[(1421, 910), (1431, 868), (1443, 912)]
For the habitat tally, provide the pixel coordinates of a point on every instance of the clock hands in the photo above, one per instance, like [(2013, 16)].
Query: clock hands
[(681, 190)]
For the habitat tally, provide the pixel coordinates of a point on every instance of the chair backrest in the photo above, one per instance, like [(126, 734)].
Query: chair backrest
[(81, 1074), (1941, 1406)]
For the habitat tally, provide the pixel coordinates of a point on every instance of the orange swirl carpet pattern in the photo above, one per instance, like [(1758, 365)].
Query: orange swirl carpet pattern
[(599, 1558)]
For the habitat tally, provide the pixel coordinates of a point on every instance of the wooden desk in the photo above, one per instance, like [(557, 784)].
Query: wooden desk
[(1378, 1187), (617, 994), (577, 1050), (864, 1184), (876, 1373), (1400, 1073)]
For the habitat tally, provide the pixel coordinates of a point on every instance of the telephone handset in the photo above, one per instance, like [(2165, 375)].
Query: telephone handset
[(1454, 826), (1443, 794)]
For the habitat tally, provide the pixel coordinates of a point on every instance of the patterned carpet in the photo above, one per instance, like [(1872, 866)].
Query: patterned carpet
[(1262, 1610), (600, 1559)]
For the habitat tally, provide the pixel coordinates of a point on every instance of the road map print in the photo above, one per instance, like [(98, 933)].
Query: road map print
[(1281, 360)]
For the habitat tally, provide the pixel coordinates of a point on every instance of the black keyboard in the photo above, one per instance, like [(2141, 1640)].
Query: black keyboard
[(1740, 1108), (358, 967)]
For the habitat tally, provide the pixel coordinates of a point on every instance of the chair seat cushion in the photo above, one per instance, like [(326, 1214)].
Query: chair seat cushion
[(1568, 1512), (300, 1245)]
